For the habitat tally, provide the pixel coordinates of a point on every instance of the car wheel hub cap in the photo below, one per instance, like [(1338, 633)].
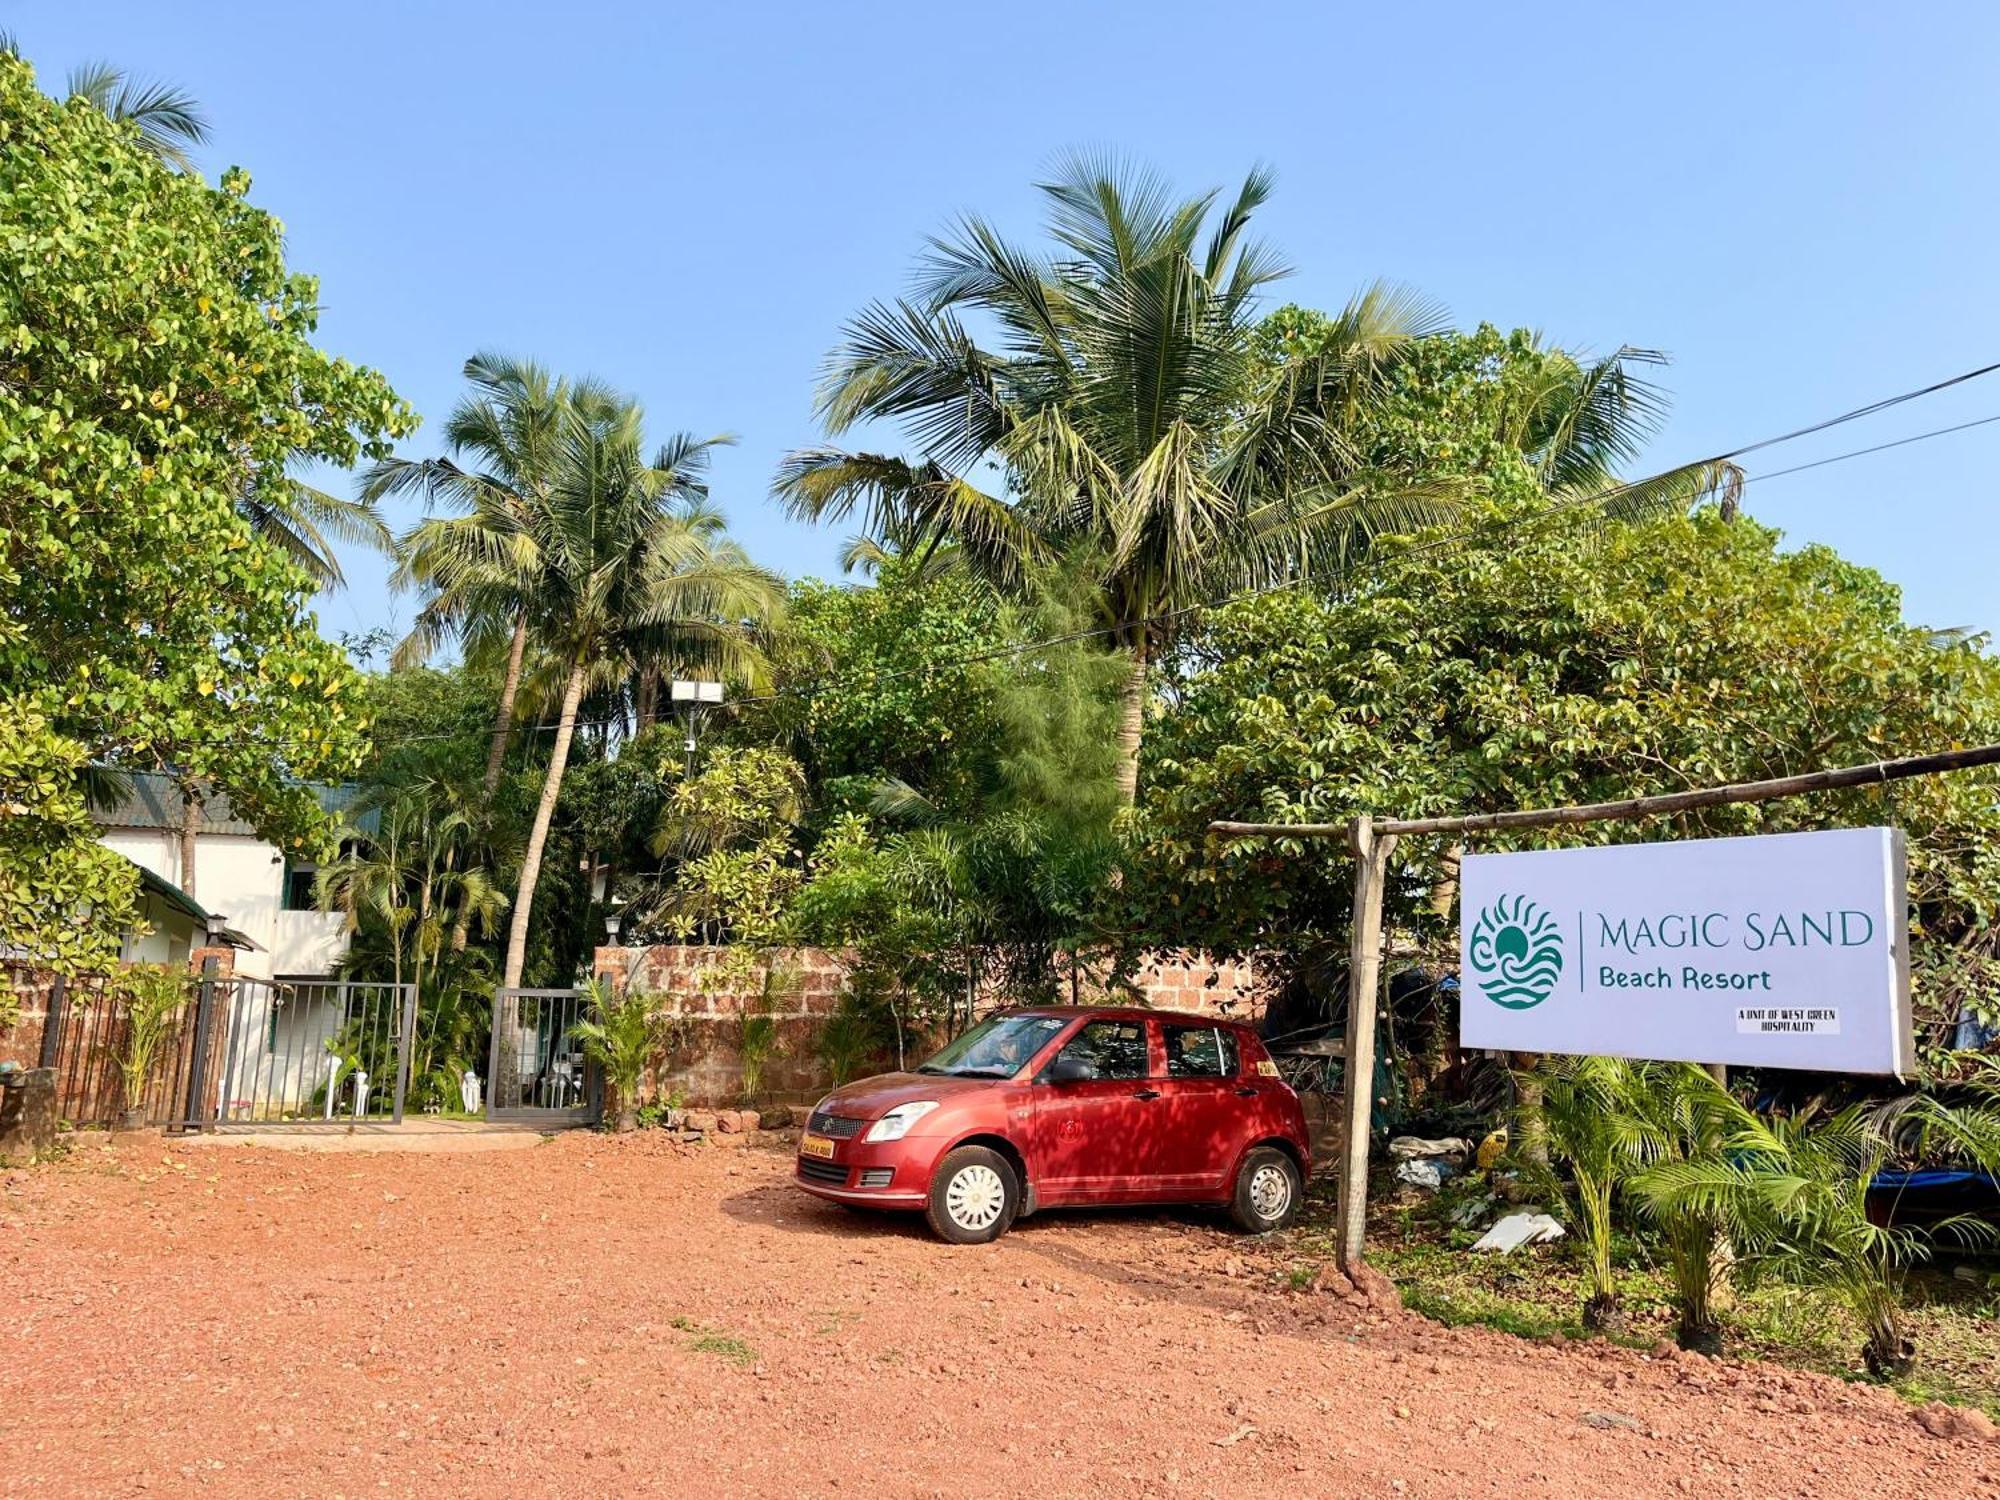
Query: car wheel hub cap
[(975, 1197), (1270, 1192)]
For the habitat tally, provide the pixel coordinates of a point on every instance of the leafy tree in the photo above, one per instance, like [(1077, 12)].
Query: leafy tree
[(730, 831), (1542, 668), (879, 681), (999, 878), (1507, 419), (156, 380)]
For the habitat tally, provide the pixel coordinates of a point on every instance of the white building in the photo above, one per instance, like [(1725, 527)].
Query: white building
[(295, 1040), (248, 883)]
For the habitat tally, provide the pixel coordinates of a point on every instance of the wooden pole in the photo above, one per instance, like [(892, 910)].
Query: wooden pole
[(1874, 773), (1364, 968)]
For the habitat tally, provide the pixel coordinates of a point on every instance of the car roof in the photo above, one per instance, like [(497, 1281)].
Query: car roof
[(1124, 1013)]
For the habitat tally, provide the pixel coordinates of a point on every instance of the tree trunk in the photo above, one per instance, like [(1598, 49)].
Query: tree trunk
[(190, 825), (538, 835), (1132, 725), (645, 699), (503, 716), (1529, 1114), (496, 755)]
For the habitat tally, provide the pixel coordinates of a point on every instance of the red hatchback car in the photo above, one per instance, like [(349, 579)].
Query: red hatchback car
[(1064, 1106)]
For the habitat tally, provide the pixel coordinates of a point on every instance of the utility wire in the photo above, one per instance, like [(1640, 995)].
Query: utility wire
[(1482, 530)]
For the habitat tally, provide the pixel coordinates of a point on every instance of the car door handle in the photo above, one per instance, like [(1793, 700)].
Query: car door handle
[(1147, 1094), (1246, 1093)]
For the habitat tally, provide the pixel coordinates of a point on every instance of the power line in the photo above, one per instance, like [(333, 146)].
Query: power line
[(1480, 530)]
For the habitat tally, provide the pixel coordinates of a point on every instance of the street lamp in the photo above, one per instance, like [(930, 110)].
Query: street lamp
[(613, 919), (691, 696)]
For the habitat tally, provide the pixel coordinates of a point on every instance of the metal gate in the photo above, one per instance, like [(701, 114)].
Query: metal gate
[(536, 1070), (301, 1052)]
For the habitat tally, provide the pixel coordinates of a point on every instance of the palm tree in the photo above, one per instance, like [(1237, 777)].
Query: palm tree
[(168, 119), (477, 570), (1130, 418), (1122, 413), (303, 522), (625, 551)]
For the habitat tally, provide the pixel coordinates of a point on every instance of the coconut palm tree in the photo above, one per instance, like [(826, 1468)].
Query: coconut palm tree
[(626, 550), (168, 119), (1124, 413), (476, 570), (1121, 414)]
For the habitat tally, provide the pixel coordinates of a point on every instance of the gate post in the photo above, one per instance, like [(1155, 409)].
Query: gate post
[(204, 1012), (52, 1021), (594, 1075), (404, 1044), (500, 998)]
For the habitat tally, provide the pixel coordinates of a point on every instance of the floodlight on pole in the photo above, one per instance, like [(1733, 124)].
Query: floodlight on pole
[(693, 695)]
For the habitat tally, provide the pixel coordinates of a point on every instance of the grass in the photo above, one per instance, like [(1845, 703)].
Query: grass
[(726, 1346), (1539, 1290)]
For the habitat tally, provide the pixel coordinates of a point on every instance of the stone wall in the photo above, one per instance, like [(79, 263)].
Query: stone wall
[(707, 991)]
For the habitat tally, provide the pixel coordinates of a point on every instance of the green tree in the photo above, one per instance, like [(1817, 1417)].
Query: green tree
[(626, 548), (156, 371), (1540, 669)]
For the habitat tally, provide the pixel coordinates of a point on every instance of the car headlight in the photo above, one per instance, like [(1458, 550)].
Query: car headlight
[(896, 1124)]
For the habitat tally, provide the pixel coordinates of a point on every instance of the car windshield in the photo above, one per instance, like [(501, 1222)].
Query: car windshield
[(998, 1047)]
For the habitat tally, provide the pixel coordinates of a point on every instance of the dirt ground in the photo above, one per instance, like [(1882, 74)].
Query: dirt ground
[(602, 1316)]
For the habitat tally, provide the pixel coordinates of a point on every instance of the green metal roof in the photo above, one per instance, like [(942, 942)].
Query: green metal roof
[(151, 800)]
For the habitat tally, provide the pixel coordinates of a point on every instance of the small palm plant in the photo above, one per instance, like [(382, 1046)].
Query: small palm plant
[(621, 1040), (1592, 1132), (1794, 1193), (155, 997), (1680, 1114), (757, 1044), (846, 1042)]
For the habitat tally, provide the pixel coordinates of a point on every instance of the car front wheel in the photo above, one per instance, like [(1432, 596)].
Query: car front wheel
[(974, 1196), (1268, 1191)]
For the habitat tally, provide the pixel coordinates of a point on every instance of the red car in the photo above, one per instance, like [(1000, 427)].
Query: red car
[(1061, 1106)]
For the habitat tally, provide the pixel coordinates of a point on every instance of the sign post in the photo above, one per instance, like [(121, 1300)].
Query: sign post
[(1371, 838)]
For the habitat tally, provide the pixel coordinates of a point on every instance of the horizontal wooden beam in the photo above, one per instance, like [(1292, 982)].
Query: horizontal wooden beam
[(1874, 773)]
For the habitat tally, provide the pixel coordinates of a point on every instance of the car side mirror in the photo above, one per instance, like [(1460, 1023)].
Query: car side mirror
[(1069, 1068)]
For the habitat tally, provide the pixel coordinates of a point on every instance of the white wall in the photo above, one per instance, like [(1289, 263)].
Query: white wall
[(242, 879)]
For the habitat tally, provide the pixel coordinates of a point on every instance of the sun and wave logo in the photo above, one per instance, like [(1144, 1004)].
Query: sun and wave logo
[(1515, 953)]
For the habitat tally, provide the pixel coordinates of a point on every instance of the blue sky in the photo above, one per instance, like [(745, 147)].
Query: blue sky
[(1794, 200)]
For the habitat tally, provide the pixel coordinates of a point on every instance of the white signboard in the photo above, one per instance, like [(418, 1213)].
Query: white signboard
[(1785, 950)]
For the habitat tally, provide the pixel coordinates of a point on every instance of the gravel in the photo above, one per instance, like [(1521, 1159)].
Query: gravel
[(604, 1315)]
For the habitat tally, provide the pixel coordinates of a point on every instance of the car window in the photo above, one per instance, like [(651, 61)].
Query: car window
[(998, 1047), (1107, 1049), (1200, 1051)]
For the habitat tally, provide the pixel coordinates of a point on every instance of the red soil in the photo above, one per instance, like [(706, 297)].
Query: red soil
[(604, 1316)]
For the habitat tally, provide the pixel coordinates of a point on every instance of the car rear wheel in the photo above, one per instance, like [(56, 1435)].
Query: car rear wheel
[(974, 1196), (1268, 1191)]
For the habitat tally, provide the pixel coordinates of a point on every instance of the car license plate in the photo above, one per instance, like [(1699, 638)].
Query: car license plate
[(815, 1145)]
